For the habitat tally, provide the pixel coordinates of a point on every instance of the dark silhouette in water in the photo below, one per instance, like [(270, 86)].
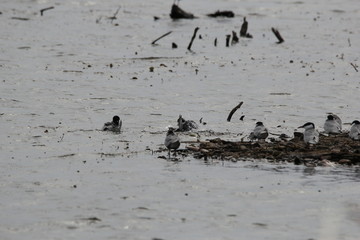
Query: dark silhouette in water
[(185, 125), (114, 125)]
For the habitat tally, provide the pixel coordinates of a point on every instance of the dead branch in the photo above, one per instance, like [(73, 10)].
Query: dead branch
[(233, 111), (45, 9), (278, 36), (192, 39), (153, 42), (354, 66)]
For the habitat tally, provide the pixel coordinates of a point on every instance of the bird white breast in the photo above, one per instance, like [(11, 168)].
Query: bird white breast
[(311, 136), (355, 132), (332, 126)]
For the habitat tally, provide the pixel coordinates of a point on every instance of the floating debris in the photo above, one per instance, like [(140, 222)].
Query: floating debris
[(177, 13), (278, 36), (228, 14)]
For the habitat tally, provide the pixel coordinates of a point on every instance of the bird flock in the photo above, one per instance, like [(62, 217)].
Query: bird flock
[(332, 125)]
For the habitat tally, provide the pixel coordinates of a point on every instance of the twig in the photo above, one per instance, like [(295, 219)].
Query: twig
[(116, 13), (278, 36), (161, 37), (354, 66), (20, 18), (192, 39), (233, 111), (45, 9)]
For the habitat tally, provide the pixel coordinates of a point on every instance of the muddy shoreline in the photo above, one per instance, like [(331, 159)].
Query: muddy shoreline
[(331, 149)]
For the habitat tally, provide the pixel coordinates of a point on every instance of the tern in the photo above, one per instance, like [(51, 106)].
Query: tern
[(332, 124), (355, 130), (310, 134), (260, 132)]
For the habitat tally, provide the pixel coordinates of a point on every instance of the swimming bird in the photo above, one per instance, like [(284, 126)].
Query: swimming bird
[(172, 141), (310, 134), (355, 130), (332, 124), (260, 132), (114, 125), (185, 125)]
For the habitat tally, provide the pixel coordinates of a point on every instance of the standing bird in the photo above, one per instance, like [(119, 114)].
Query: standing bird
[(332, 124), (114, 126), (310, 134), (172, 141), (355, 130), (260, 132)]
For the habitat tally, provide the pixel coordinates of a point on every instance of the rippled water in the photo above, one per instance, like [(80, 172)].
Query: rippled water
[(66, 73)]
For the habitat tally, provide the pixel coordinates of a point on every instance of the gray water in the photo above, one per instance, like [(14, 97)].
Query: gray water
[(62, 178)]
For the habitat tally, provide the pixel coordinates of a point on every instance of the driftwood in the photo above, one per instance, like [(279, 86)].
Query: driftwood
[(233, 111), (192, 39), (153, 42), (113, 17), (354, 66), (45, 9), (330, 149), (20, 18), (218, 13), (278, 36), (177, 13)]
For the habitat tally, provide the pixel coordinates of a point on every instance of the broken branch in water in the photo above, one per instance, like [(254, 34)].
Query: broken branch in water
[(45, 9), (20, 18), (177, 12), (114, 16), (233, 111), (278, 36), (192, 39), (153, 42), (354, 66)]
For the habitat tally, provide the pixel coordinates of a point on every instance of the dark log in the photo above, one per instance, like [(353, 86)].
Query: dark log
[(228, 14), (153, 42), (177, 13), (278, 36), (192, 39), (45, 9), (233, 111), (174, 45), (215, 42)]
